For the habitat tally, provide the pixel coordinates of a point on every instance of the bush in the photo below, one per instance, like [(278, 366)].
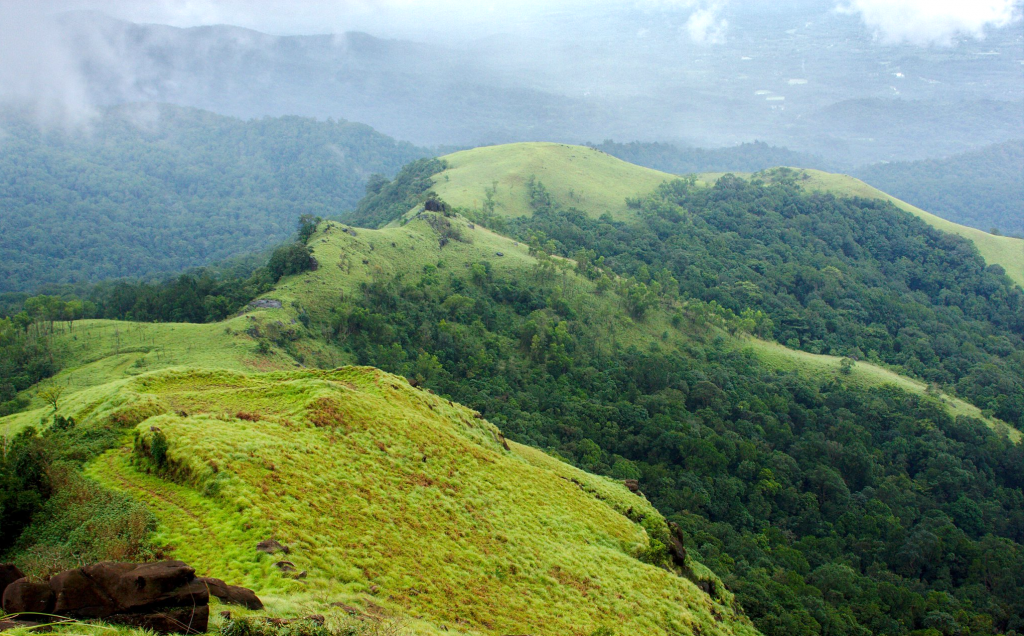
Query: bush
[(290, 259)]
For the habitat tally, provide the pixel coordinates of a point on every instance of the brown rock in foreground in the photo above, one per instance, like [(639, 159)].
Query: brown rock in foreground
[(165, 597), (233, 594), (9, 573), (28, 599)]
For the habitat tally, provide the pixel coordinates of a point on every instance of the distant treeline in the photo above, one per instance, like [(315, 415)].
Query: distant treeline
[(982, 189), (749, 157), (150, 190)]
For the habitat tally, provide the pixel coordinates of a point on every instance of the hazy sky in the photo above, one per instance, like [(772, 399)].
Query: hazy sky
[(35, 67), (923, 22)]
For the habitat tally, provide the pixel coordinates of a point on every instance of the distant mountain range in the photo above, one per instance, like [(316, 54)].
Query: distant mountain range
[(842, 103)]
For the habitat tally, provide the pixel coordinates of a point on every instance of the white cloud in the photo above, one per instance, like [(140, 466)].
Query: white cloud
[(36, 70), (706, 27), (927, 22)]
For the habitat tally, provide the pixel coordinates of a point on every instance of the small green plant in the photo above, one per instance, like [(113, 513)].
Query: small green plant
[(158, 449), (846, 366)]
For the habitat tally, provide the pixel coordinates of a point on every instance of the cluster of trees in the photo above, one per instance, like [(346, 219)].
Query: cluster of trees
[(387, 200), (982, 189), (848, 277), (143, 194)]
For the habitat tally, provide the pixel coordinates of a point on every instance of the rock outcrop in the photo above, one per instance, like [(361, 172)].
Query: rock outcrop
[(165, 597)]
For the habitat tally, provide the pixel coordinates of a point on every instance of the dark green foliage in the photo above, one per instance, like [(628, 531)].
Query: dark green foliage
[(24, 483), (286, 260), (307, 227), (747, 157), (150, 190), (387, 201), (848, 277), (982, 189), (158, 449), (26, 357)]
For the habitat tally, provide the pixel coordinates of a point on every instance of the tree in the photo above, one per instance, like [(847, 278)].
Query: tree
[(307, 227), (51, 395), (290, 259)]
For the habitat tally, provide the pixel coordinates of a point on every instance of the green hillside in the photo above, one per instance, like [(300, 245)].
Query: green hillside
[(795, 381), (393, 501), (154, 189), (982, 188), (598, 183), (577, 175)]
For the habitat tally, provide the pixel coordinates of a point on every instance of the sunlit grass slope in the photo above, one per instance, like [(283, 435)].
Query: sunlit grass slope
[(393, 500), (95, 352), (574, 175), (1006, 251)]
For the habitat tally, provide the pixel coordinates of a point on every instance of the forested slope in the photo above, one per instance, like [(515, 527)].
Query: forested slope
[(983, 189), (154, 189)]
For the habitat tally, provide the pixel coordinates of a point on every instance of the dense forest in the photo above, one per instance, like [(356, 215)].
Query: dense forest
[(149, 190), (982, 189)]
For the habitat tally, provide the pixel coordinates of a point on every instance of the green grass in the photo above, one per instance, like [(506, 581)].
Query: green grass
[(390, 497), (574, 175)]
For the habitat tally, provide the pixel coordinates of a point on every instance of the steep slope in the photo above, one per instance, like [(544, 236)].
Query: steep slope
[(391, 500)]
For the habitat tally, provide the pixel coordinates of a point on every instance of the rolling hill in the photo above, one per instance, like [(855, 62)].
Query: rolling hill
[(1005, 251), (597, 182), (793, 464)]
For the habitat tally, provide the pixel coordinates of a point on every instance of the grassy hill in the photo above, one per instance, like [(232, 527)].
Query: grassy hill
[(598, 183), (576, 175), (393, 501)]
